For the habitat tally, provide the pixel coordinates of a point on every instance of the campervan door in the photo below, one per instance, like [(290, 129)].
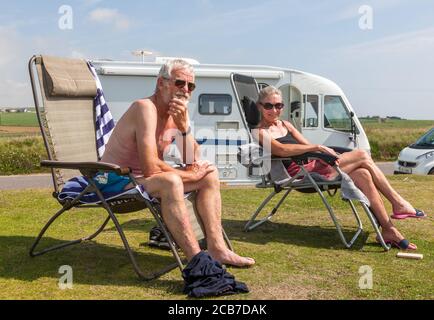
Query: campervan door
[(320, 110)]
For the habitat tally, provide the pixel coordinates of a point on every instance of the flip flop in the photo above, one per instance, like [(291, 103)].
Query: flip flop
[(404, 244), (417, 214)]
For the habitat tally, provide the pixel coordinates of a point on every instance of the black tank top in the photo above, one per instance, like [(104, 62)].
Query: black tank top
[(288, 138)]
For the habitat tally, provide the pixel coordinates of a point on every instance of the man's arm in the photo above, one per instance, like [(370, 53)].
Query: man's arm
[(188, 147), (145, 117)]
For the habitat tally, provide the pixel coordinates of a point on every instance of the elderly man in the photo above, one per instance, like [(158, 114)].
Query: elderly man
[(139, 141)]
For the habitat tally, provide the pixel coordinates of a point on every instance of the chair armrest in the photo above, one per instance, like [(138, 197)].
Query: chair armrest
[(328, 158), (340, 149), (86, 166), (303, 158)]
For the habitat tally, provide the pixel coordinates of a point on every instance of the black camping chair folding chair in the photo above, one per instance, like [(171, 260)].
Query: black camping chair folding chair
[(63, 91), (274, 174)]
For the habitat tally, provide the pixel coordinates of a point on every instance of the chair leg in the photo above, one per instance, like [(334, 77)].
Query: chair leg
[(374, 223), (250, 225), (32, 252), (133, 260), (347, 244), (228, 242), (65, 208)]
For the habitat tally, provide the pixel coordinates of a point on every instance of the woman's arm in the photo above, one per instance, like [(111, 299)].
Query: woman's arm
[(295, 133), (279, 149)]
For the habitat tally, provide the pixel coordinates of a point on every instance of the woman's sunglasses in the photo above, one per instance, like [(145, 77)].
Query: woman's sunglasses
[(181, 84), (269, 106)]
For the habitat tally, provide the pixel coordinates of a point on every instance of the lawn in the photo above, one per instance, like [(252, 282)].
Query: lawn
[(298, 254), (389, 138), (22, 119)]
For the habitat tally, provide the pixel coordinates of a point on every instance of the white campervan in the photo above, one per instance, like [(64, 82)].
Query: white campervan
[(315, 105)]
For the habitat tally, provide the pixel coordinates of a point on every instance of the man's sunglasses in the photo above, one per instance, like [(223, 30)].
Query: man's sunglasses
[(269, 106), (181, 84)]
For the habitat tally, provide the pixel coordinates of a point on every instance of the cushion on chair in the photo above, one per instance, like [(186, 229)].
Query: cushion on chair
[(251, 111), (68, 77)]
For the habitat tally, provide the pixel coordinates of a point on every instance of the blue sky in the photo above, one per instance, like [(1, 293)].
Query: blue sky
[(386, 70)]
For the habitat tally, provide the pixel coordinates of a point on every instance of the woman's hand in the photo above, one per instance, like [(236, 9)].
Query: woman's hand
[(328, 150)]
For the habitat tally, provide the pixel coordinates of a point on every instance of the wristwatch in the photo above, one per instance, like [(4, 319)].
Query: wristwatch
[(186, 132)]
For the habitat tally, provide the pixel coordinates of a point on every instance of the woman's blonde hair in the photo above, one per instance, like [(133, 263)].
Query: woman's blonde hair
[(268, 91)]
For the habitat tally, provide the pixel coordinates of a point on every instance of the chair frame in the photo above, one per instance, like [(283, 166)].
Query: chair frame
[(119, 205), (319, 188)]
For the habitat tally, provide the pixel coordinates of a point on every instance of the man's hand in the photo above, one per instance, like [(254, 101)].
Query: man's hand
[(200, 169), (179, 113)]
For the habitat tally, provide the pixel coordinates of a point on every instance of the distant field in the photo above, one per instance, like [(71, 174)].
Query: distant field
[(389, 138), (21, 147), (22, 119)]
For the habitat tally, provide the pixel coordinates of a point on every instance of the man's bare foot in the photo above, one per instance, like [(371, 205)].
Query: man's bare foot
[(231, 258)]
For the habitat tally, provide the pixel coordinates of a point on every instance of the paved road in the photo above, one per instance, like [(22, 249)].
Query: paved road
[(386, 167), (44, 180), (26, 182)]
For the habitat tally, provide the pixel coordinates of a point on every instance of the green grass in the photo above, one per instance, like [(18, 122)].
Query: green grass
[(298, 254), (22, 119), (389, 138), (20, 152), (21, 155)]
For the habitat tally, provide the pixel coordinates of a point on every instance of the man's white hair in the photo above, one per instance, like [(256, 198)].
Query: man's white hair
[(167, 68), (268, 91)]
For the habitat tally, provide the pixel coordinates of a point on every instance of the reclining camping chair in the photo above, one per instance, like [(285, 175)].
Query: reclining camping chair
[(63, 90), (274, 174)]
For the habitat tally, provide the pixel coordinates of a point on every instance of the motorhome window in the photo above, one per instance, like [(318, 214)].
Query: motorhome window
[(215, 104), (262, 85), (336, 115), (311, 111)]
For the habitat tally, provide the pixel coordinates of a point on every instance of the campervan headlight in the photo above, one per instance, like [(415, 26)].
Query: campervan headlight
[(426, 155)]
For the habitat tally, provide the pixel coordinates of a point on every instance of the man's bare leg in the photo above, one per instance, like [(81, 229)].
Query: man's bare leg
[(362, 179), (208, 203), (360, 159), (169, 188)]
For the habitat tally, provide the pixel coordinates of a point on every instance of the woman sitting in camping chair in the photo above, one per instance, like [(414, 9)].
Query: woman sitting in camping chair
[(286, 141)]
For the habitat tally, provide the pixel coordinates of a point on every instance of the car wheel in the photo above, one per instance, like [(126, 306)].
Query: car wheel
[(431, 171)]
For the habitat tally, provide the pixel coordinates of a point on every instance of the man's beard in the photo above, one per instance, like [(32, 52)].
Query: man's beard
[(181, 95)]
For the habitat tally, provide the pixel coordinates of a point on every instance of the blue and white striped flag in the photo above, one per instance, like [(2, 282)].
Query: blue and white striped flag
[(104, 122)]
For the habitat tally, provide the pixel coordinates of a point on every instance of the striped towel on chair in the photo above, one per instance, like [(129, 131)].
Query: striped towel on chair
[(76, 185), (104, 122), (104, 125)]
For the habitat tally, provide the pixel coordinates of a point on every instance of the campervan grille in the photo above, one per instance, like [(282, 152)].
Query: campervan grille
[(407, 164)]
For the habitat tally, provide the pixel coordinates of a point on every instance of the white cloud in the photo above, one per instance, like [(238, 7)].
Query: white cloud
[(388, 76), (89, 3), (9, 45), (110, 16), (415, 42)]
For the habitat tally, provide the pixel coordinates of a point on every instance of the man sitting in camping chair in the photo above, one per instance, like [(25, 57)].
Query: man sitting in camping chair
[(286, 141), (139, 141)]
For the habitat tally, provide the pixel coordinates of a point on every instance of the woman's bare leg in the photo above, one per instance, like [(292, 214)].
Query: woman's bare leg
[(363, 180), (350, 161)]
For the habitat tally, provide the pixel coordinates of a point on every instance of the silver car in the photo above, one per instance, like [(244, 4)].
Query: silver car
[(417, 158)]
